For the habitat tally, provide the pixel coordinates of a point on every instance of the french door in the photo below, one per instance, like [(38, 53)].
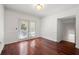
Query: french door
[(32, 29), (27, 29)]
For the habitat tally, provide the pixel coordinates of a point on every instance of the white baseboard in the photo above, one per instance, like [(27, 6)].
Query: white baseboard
[(77, 47), (18, 40), (1, 48), (49, 38)]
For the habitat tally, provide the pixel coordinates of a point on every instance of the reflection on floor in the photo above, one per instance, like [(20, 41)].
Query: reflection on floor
[(40, 46)]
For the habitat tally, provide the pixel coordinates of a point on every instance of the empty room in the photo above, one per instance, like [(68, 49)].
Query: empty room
[(39, 29)]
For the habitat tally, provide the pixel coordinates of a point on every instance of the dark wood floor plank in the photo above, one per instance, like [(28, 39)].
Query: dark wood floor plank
[(40, 46)]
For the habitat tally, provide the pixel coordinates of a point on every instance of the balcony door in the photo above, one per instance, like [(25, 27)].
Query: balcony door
[(27, 29), (32, 29)]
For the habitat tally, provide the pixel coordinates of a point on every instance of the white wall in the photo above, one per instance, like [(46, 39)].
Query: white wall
[(65, 26), (1, 27), (49, 28), (59, 30), (49, 24), (69, 28), (11, 23)]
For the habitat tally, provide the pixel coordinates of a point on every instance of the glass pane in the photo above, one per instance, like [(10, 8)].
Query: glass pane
[(23, 30), (32, 29)]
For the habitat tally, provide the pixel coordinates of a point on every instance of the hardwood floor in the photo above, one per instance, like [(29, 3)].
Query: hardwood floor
[(40, 46)]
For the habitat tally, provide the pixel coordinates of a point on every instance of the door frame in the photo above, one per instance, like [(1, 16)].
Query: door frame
[(28, 21), (75, 26)]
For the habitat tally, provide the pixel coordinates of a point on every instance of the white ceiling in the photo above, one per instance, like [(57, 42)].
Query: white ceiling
[(49, 8)]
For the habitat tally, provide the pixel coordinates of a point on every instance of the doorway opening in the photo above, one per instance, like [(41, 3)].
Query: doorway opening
[(66, 29)]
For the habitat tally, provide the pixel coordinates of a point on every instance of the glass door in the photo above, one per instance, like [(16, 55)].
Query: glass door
[(27, 29), (23, 33), (32, 29)]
